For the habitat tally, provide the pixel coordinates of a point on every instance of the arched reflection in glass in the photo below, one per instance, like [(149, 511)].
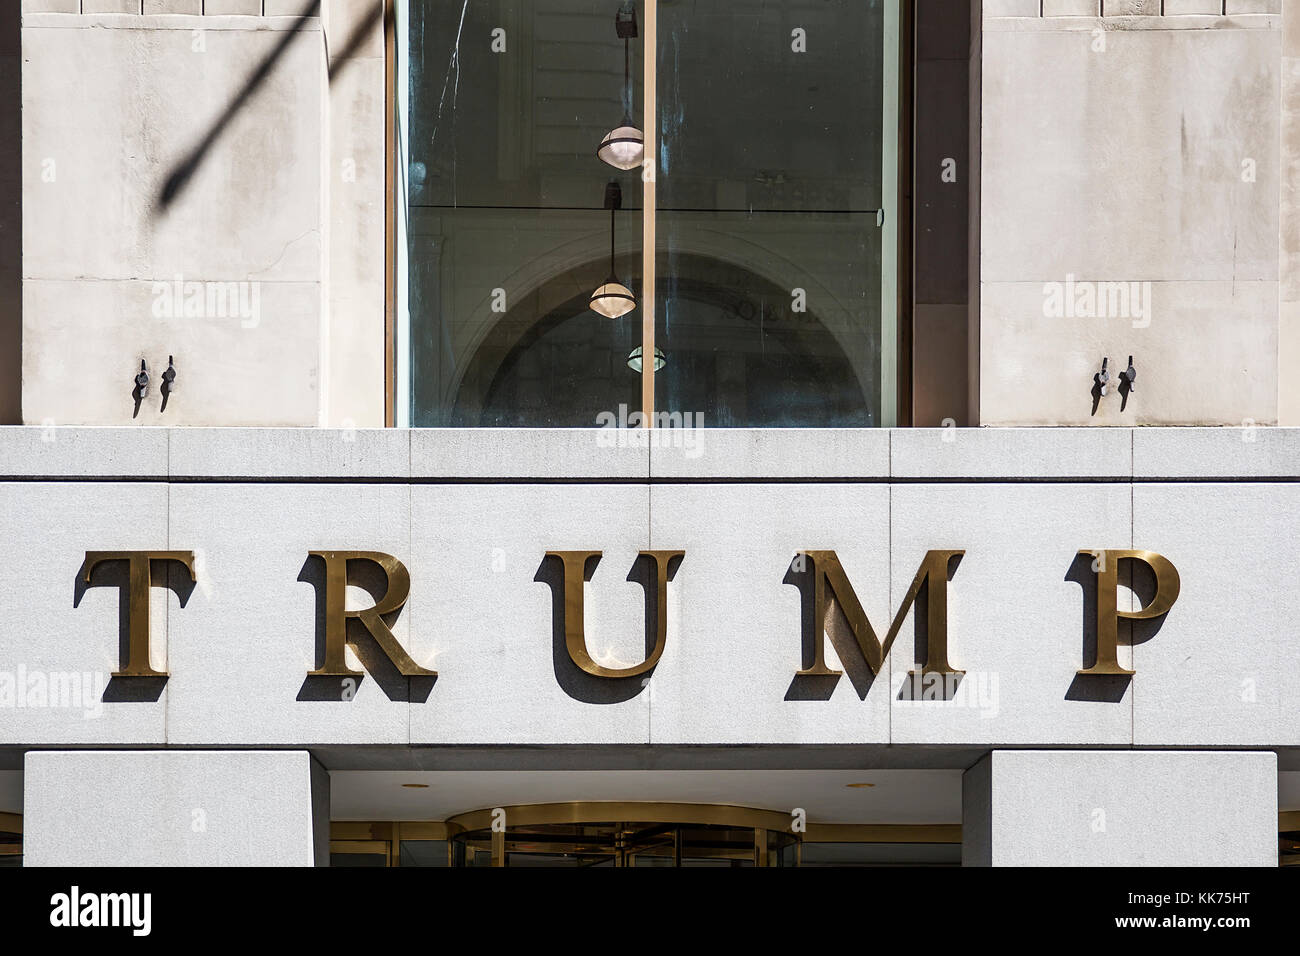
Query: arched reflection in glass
[(737, 355)]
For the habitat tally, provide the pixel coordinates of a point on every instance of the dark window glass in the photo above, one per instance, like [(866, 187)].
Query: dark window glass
[(423, 853), (881, 854), (506, 223), (358, 859), (770, 178), (772, 172)]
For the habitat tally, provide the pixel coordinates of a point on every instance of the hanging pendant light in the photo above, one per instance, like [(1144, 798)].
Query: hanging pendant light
[(635, 364), (613, 299), (624, 146)]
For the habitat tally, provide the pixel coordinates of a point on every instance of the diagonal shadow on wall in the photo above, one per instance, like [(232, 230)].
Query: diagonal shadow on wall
[(180, 176)]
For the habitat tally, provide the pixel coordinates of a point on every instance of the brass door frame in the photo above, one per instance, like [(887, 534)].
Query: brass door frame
[(579, 812), (385, 836), (382, 848), (703, 814), (11, 823), (613, 812)]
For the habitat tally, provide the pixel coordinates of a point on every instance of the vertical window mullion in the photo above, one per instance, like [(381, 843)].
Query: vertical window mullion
[(892, 213), (650, 123)]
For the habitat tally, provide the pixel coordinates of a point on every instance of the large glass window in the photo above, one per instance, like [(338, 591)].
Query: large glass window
[(550, 238)]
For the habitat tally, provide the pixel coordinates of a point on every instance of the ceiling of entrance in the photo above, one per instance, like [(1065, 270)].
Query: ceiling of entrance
[(828, 796)]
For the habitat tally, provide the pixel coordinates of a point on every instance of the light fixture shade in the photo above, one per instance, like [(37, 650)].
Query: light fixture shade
[(612, 300), (623, 148), (635, 364)]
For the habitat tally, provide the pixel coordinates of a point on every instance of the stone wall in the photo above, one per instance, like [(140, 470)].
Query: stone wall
[(1131, 169), (472, 513), (203, 182)]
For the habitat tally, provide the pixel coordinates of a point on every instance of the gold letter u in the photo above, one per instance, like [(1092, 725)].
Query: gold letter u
[(575, 639)]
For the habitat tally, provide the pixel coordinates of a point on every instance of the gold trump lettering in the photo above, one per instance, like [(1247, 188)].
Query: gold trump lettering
[(396, 592), (829, 582), (1106, 565), (828, 574), (139, 584), (573, 578)]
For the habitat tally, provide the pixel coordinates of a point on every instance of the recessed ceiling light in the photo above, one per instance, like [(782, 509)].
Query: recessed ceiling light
[(858, 786)]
